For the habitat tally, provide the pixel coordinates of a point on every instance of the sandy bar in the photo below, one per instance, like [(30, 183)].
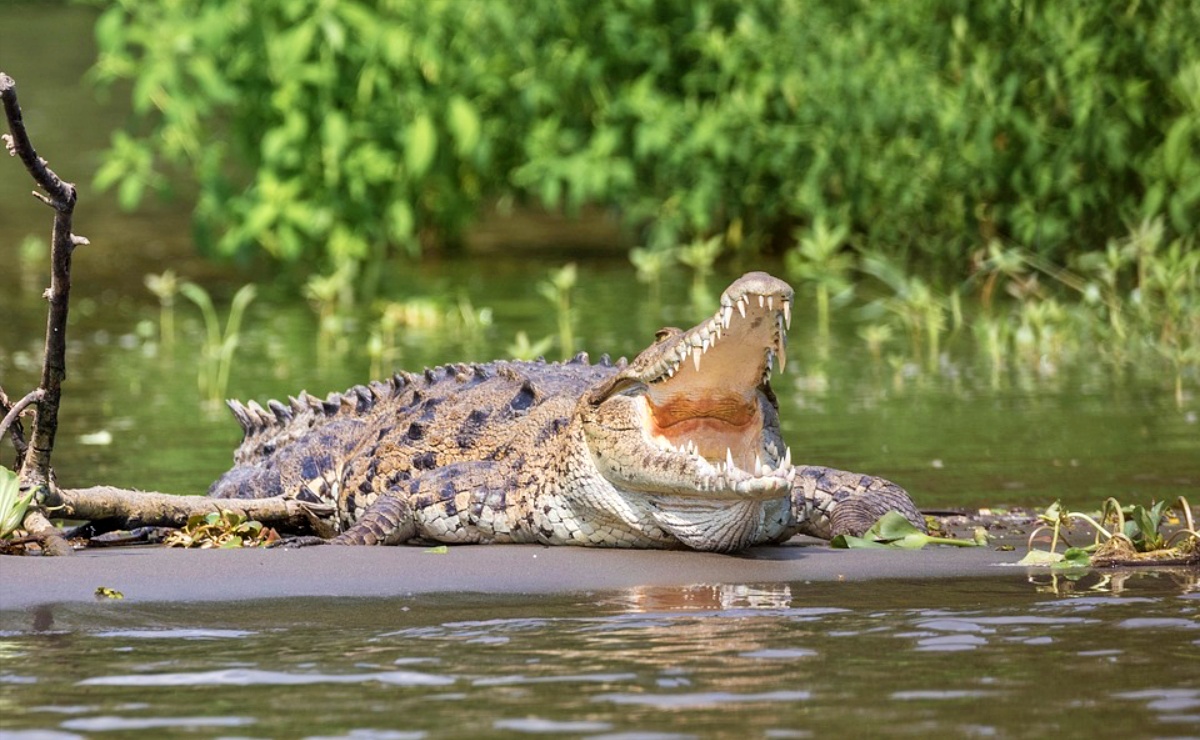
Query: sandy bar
[(155, 574)]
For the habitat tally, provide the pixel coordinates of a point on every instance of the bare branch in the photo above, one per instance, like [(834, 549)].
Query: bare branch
[(16, 432), (35, 468), (15, 410), (53, 543), (18, 144), (147, 508)]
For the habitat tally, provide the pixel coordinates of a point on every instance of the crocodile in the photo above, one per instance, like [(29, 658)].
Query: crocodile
[(680, 448)]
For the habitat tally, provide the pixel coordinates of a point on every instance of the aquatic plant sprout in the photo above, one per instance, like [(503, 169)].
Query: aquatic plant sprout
[(217, 351)]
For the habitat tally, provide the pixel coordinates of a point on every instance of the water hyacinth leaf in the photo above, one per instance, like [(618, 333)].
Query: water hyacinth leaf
[(12, 504), (894, 531), (1074, 557), (1040, 558)]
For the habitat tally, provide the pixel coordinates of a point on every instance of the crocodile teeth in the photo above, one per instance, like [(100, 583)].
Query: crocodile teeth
[(787, 314), (741, 306), (781, 351), (729, 458), (696, 357), (787, 459), (726, 316)]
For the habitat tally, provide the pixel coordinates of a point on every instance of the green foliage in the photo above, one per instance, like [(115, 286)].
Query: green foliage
[(1133, 305), (894, 531), (349, 130), (224, 529), (12, 505), (819, 261), (1124, 535)]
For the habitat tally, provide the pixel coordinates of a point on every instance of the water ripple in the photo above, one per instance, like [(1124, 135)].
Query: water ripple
[(1154, 623), (515, 680), (550, 726), (110, 723), (247, 677), (178, 634), (702, 698)]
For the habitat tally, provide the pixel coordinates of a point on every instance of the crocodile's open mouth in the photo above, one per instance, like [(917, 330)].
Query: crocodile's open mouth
[(691, 425), (707, 396), (694, 414)]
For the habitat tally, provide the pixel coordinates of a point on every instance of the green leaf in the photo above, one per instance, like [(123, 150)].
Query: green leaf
[(892, 526), (1074, 557), (464, 124), (439, 550), (1040, 558), (12, 505), (420, 145)]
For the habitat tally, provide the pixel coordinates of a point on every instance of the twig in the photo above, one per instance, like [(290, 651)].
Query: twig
[(16, 431), (15, 410), (60, 195)]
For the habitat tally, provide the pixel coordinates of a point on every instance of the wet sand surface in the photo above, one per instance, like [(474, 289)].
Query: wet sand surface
[(149, 574)]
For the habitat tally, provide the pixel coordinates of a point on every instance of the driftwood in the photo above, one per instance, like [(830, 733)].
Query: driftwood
[(152, 509)]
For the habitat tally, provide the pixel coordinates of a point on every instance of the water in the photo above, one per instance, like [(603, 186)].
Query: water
[(1000, 656)]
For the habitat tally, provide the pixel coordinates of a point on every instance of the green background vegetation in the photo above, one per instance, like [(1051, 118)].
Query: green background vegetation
[(925, 129)]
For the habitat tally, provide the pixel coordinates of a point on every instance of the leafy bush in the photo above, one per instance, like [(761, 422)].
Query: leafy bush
[(348, 129)]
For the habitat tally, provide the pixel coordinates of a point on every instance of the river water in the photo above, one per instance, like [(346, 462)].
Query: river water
[(1005, 656)]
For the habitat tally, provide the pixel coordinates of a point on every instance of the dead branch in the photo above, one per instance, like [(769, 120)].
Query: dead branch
[(50, 537), (15, 409), (16, 431), (35, 469), (148, 508)]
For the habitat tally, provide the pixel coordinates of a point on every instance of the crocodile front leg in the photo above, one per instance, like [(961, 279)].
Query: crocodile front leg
[(388, 521), (458, 503), (828, 502)]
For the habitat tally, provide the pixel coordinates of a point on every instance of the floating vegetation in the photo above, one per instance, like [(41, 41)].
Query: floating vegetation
[(1122, 535), (894, 531), (224, 529)]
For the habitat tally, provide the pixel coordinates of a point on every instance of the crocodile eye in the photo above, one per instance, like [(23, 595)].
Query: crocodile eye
[(666, 333)]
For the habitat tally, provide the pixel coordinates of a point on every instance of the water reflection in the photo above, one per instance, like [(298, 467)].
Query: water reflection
[(1113, 580), (961, 657)]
